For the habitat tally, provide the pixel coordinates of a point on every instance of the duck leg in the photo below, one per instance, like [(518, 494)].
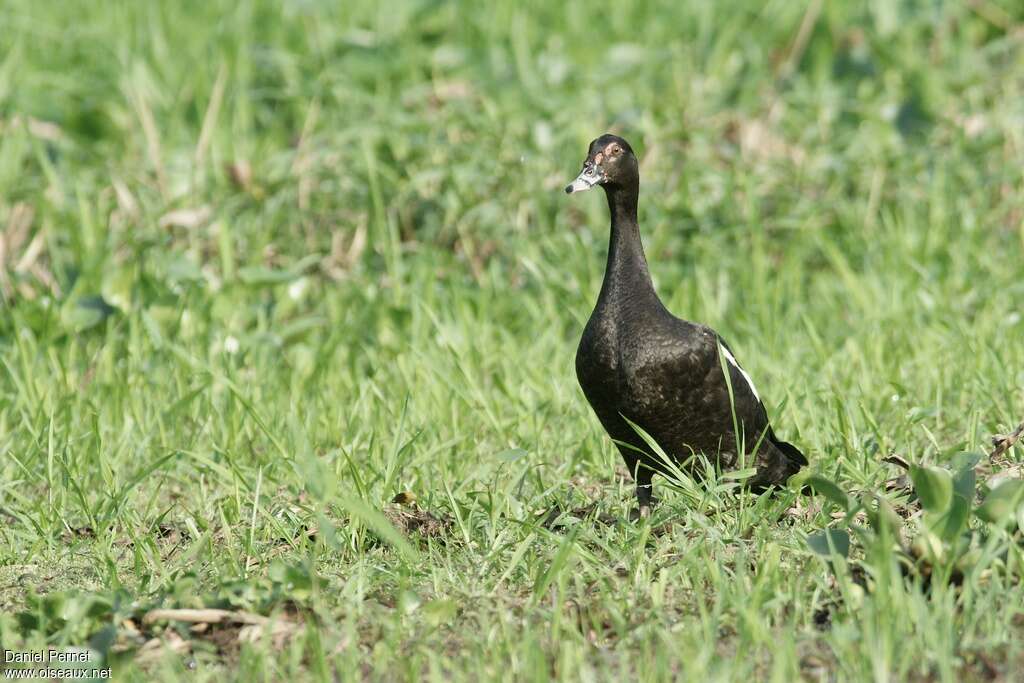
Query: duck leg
[(643, 494)]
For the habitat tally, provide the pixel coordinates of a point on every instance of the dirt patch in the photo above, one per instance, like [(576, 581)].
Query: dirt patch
[(554, 518), (409, 518), (179, 631)]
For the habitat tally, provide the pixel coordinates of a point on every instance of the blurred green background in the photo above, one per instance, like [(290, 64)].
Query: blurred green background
[(265, 265)]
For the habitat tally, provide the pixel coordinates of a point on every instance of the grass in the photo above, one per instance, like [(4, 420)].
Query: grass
[(267, 265)]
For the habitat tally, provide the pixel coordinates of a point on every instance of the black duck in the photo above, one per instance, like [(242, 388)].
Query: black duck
[(639, 362)]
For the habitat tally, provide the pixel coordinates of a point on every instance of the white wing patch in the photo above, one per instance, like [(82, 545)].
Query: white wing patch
[(729, 357)]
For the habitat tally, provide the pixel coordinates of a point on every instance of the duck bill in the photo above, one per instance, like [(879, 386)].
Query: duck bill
[(590, 175)]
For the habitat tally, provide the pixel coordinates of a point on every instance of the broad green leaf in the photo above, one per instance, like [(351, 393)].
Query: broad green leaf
[(934, 486), (963, 483), (830, 542), (954, 520), (1002, 502), (829, 490)]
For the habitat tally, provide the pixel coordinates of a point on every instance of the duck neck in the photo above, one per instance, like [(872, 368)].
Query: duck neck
[(626, 275)]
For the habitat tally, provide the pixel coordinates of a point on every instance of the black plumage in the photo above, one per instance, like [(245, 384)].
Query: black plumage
[(638, 362)]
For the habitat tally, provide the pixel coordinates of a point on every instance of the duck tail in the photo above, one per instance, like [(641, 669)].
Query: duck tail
[(797, 459), (784, 463), (792, 454)]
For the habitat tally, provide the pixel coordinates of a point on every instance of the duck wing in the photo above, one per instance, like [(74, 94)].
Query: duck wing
[(784, 459)]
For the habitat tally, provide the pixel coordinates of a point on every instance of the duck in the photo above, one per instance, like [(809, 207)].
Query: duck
[(641, 366)]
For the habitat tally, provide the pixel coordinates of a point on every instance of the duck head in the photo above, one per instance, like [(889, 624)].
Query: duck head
[(610, 162)]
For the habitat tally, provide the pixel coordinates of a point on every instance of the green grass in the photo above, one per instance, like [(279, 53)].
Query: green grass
[(213, 408)]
